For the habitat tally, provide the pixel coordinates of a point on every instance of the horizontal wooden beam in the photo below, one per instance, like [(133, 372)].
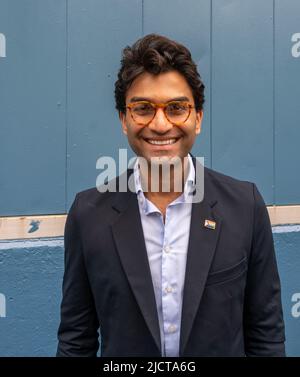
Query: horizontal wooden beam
[(22, 227), (283, 215), (31, 226)]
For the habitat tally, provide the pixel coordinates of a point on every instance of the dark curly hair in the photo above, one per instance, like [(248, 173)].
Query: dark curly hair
[(156, 54)]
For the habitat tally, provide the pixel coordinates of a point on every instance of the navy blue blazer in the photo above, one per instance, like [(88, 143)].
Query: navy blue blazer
[(232, 296)]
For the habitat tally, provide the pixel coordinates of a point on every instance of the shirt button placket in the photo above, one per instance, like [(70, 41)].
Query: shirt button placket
[(167, 249)]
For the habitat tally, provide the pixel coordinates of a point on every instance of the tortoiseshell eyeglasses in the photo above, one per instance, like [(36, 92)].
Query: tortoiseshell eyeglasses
[(176, 112)]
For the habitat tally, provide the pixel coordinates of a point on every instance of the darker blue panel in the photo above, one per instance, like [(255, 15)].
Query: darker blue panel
[(30, 280), (31, 276), (287, 250)]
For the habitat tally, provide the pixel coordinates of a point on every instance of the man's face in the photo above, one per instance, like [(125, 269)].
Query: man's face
[(162, 88)]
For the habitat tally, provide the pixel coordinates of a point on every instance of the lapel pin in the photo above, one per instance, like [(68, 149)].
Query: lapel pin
[(210, 224)]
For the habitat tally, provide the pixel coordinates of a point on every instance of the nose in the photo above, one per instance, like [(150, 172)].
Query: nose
[(160, 123)]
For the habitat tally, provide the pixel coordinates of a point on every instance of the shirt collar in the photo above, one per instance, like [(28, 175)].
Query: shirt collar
[(188, 187)]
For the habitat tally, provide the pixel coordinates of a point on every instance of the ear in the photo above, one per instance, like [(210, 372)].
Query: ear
[(199, 117), (122, 117)]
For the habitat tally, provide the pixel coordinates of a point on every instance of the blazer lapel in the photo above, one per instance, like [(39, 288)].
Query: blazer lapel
[(129, 239), (201, 249)]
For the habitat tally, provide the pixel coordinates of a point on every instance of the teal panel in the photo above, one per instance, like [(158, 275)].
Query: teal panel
[(287, 246), (242, 91), (187, 22), (97, 33), (31, 276), (287, 100), (31, 281), (32, 102)]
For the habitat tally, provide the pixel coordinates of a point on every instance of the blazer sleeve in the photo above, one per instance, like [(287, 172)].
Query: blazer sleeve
[(78, 329), (263, 317)]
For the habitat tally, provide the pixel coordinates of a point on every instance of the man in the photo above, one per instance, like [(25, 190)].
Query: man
[(162, 275)]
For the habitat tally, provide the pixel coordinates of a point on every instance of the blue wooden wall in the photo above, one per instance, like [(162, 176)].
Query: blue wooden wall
[(57, 112)]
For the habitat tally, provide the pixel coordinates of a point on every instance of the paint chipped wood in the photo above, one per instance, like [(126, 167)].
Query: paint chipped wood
[(23, 227)]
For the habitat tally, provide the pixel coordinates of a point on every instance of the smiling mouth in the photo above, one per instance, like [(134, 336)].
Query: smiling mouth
[(162, 142)]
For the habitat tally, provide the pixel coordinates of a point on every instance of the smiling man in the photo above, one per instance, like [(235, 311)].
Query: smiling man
[(161, 137), (161, 124), (158, 273)]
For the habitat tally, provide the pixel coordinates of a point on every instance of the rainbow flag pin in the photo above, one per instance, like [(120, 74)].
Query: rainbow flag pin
[(210, 224)]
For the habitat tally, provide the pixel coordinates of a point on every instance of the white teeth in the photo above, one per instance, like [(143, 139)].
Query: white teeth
[(162, 142)]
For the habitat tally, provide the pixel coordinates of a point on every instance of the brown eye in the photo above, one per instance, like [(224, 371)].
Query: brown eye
[(177, 108), (143, 109)]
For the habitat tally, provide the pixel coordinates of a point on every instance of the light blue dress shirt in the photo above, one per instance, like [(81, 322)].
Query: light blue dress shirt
[(166, 245)]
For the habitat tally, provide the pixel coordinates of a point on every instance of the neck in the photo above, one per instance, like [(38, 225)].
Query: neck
[(164, 179)]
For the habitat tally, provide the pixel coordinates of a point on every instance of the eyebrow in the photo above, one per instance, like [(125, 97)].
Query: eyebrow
[(137, 99)]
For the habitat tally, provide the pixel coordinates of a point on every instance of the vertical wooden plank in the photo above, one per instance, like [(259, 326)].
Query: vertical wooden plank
[(242, 91), (32, 102), (287, 101), (188, 22), (97, 33)]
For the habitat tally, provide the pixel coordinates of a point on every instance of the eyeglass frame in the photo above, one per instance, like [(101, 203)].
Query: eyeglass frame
[(162, 106)]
